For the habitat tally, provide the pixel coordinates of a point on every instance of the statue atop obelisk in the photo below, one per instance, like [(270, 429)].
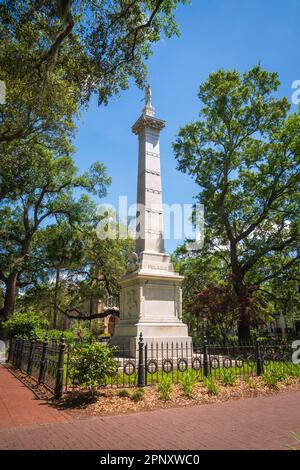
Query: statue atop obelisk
[(150, 301)]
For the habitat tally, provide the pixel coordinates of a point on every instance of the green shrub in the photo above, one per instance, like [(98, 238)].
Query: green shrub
[(188, 383), (274, 374), (165, 388), (82, 334), (233, 340), (123, 393), (24, 324), (293, 370), (57, 334), (92, 364), (228, 377), (138, 395), (263, 339), (211, 386)]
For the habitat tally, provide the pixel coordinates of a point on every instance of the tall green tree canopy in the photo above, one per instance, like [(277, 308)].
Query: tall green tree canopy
[(44, 191), (55, 53), (244, 153)]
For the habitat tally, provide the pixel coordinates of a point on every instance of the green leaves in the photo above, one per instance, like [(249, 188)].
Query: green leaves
[(92, 364), (244, 154), (24, 324)]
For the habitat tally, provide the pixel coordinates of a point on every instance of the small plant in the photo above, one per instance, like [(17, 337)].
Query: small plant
[(92, 364), (211, 386), (250, 382), (188, 383), (274, 374), (233, 340), (165, 388), (123, 393), (271, 379), (228, 377), (293, 370), (138, 395)]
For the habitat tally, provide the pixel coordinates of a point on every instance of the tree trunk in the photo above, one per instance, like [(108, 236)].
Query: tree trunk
[(244, 324), (55, 309), (244, 314), (9, 301)]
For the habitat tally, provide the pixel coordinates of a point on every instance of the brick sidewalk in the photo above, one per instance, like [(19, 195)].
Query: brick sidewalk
[(19, 406), (252, 423)]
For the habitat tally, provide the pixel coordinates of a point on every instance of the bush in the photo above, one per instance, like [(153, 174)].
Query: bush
[(138, 395), (82, 334), (188, 383), (274, 374), (123, 393), (233, 340), (165, 388), (211, 386), (24, 324), (270, 379), (92, 364), (228, 377), (293, 370), (57, 334)]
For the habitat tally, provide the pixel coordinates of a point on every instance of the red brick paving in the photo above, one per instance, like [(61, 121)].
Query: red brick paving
[(252, 423), (19, 406)]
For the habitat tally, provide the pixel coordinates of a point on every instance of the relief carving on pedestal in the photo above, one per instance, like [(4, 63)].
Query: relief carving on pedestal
[(131, 302), (133, 263)]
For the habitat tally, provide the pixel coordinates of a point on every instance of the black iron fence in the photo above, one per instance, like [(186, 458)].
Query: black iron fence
[(53, 364), (149, 363), (41, 360)]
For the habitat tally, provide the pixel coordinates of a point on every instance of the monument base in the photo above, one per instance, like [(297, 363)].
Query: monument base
[(155, 336), (150, 303)]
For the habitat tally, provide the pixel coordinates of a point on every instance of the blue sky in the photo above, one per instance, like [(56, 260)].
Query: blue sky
[(214, 34)]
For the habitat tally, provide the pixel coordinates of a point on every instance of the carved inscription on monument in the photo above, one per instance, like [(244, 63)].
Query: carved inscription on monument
[(160, 267)]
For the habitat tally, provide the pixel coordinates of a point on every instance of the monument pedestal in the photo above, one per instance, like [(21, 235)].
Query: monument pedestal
[(150, 303)]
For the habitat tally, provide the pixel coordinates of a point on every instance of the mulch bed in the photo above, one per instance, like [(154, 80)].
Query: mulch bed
[(107, 401)]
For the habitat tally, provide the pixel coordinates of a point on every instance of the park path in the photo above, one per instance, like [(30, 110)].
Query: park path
[(20, 407), (251, 423)]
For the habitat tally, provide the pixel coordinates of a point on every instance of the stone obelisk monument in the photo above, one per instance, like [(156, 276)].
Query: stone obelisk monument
[(150, 301)]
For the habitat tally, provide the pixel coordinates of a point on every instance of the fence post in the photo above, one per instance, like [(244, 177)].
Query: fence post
[(15, 351), (59, 384), (30, 357), (9, 350), (146, 362), (141, 365), (43, 361), (20, 353), (259, 359), (205, 358)]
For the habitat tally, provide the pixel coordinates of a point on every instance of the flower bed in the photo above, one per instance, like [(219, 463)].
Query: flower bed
[(111, 401)]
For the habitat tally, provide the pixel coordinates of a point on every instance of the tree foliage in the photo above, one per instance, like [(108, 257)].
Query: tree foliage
[(43, 189), (244, 153), (24, 325), (55, 53)]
